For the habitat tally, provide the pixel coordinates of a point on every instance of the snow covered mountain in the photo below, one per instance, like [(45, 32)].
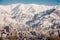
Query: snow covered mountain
[(20, 15)]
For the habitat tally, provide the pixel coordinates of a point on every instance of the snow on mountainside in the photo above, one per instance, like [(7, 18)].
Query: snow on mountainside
[(29, 15)]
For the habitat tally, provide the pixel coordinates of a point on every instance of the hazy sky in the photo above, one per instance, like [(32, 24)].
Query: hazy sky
[(44, 2)]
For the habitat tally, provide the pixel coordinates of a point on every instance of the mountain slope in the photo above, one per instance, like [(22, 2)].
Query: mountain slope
[(45, 18), (29, 14)]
